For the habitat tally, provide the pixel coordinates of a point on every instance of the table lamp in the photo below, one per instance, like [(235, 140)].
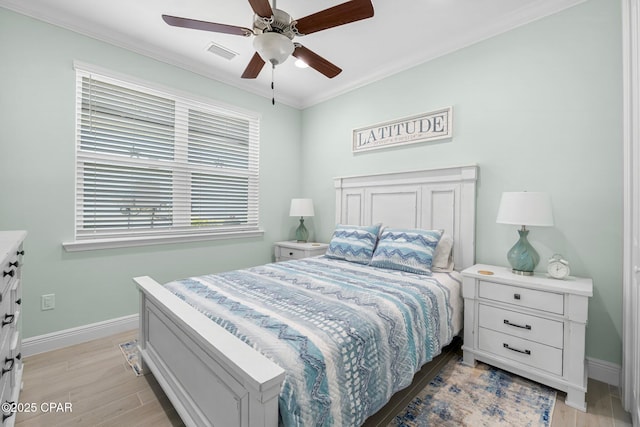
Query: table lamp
[(301, 208), (525, 209)]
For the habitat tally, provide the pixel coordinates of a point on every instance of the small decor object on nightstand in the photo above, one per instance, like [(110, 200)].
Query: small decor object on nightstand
[(558, 268), (524, 208), (301, 208)]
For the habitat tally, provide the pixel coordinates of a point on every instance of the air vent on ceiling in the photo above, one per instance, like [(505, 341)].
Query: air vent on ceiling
[(221, 51)]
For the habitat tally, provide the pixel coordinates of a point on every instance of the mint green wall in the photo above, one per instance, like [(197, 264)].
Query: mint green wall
[(538, 108), (37, 119)]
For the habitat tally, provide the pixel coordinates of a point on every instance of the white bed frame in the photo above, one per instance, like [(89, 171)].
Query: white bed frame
[(214, 379)]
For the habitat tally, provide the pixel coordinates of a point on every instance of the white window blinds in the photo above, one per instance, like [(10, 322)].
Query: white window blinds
[(150, 162)]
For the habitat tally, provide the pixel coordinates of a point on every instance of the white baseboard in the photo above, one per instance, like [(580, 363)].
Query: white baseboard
[(604, 371), (78, 335)]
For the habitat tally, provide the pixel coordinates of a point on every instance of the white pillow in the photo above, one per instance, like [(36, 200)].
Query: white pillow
[(443, 255)]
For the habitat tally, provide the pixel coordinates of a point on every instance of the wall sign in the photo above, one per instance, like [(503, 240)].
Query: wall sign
[(423, 127)]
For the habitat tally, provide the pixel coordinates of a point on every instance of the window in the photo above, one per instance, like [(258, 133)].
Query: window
[(152, 165)]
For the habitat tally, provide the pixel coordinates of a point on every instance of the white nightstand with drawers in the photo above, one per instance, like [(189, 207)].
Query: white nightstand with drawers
[(286, 251), (533, 326)]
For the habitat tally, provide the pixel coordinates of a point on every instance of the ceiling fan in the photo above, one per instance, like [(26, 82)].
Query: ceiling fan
[(274, 31)]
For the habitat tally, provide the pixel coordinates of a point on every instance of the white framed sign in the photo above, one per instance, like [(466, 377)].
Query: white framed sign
[(422, 127)]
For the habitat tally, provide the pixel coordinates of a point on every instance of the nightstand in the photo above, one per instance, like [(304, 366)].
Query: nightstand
[(533, 326), (286, 251)]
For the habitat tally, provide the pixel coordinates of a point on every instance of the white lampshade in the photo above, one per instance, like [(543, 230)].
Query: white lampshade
[(525, 208), (301, 207), (273, 47)]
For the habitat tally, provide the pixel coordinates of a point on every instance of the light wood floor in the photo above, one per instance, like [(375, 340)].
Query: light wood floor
[(102, 390)]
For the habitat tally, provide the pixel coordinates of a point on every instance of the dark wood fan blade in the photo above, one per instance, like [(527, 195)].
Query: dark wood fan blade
[(206, 26), (261, 8), (341, 14), (254, 67), (316, 62)]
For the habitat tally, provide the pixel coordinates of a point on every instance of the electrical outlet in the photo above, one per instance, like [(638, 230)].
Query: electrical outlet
[(48, 302)]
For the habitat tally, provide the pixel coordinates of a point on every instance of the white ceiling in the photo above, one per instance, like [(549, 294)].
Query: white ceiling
[(402, 34)]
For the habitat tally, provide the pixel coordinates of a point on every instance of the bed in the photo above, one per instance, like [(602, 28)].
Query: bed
[(211, 369)]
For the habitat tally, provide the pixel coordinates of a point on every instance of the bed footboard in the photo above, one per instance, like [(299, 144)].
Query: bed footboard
[(211, 377)]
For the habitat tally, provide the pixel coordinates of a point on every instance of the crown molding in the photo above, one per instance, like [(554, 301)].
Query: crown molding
[(533, 12), (536, 11), (77, 26)]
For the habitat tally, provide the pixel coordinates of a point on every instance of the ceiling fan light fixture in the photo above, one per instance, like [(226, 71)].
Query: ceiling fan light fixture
[(273, 47)]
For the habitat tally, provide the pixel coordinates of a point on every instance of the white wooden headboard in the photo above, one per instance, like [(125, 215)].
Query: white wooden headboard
[(442, 198)]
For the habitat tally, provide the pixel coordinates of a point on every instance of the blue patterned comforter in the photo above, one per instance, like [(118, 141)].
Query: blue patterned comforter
[(348, 335)]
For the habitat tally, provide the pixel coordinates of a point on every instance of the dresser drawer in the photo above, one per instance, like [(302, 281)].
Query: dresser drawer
[(7, 318), (5, 389), (6, 396), (8, 365), (15, 354), (531, 353), (9, 273), (538, 329), (523, 297), (15, 294)]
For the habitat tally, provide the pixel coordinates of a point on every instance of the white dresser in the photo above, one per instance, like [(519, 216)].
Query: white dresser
[(285, 251), (533, 326), (11, 255)]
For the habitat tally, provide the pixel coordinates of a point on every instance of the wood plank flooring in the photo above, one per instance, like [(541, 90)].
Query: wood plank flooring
[(103, 391)]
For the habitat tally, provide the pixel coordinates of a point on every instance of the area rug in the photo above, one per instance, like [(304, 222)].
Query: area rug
[(131, 355), (482, 396)]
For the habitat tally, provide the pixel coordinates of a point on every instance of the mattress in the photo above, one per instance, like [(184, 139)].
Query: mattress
[(347, 335)]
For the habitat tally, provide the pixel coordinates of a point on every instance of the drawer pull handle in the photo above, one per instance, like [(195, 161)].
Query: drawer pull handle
[(20, 252), (14, 264), (527, 327), (19, 301), (516, 296), (505, 345), (8, 273), (19, 356), (290, 253), (8, 319), (8, 365)]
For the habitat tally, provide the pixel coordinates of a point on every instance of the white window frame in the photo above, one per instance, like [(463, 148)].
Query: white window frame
[(83, 241)]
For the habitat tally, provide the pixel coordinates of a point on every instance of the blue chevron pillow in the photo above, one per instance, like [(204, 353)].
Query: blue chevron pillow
[(353, 243), (406, 249)]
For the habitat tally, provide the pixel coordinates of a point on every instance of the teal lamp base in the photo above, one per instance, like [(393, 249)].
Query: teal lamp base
[(302, 235), (522, 256)]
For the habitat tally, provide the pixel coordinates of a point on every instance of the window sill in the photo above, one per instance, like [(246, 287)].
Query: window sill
[(96, 244)]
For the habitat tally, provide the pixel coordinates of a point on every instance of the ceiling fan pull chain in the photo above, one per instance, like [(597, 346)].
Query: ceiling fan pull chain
[(273, 90)]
